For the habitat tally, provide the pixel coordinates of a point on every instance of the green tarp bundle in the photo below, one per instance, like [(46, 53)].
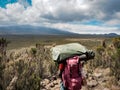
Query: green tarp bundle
[(62, 52)]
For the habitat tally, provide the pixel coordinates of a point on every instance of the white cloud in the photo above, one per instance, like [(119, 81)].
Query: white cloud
[(12, 13), (59, 12), (117, 15), (24, 3), (113, 22), (82, 29), (62, 10)]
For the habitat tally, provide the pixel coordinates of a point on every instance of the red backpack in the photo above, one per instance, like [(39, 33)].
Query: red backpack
[(71, 75)]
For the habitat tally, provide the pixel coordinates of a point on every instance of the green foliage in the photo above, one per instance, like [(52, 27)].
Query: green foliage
[(4, 42), (2, 67), (33, 51), (3, 46), (116, 42), (118, 52), (20, 66), (115, 65), (53, 68), (29, 78), (38, 67), (28, 81), (100, 50)]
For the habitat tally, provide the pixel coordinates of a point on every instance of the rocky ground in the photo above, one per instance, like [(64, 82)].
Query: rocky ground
[(99, 80)]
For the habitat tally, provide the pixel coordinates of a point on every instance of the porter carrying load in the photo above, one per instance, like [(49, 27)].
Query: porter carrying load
[(65, 51)]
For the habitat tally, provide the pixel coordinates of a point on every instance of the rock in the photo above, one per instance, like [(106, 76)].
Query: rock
[(55, 82), (92, 83), (57, 87), (47, 87), (84, 88), (51, 85), (115, 87), (58, 80), (100, 71), (98, 87), (90, 78), (106, 72), (45, 82), (54, 78), (89, 75), (106, 89), (119, 82), (98, 75)]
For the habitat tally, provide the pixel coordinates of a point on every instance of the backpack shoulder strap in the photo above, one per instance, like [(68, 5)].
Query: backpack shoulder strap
[(77, 62), (79, 67)]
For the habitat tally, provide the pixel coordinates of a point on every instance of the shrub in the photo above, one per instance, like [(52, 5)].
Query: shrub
[(53, 68), (100, 50), (3, 46), (116, 42), (33, 51), (115, 65)]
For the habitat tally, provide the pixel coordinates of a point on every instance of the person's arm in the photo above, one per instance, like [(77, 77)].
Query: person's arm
[(61, 69), (84, 82)]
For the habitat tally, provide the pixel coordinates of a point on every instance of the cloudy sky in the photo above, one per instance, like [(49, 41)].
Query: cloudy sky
[(79, 16)]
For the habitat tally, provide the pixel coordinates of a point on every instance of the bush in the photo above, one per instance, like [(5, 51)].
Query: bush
[(115, 65), (116, 42), (100, 50), (29, 78), (3, 46), (33, 51), (53, 68)]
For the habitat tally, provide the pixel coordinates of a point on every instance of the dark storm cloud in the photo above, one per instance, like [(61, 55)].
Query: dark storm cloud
[(88, 9)]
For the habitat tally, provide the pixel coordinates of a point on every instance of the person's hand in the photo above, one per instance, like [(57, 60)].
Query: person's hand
[(84, 82), (60, 74)]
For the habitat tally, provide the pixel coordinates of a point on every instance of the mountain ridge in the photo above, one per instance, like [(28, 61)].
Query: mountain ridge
[(27, 29), (40, 30)]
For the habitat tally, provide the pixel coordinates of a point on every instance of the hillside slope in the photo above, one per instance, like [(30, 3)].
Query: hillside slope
[(28, 29)]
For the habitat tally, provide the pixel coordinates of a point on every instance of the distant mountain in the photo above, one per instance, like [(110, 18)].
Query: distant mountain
[(39, 30), (27, 29), (112, 34)]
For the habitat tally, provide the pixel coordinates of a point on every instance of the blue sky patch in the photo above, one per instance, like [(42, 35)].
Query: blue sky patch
[(94, 22), (3, 3)]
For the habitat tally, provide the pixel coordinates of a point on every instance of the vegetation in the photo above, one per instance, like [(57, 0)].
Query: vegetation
[(3, 46), (23, 69), (108, 57), (116, 42), (115, 66)]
